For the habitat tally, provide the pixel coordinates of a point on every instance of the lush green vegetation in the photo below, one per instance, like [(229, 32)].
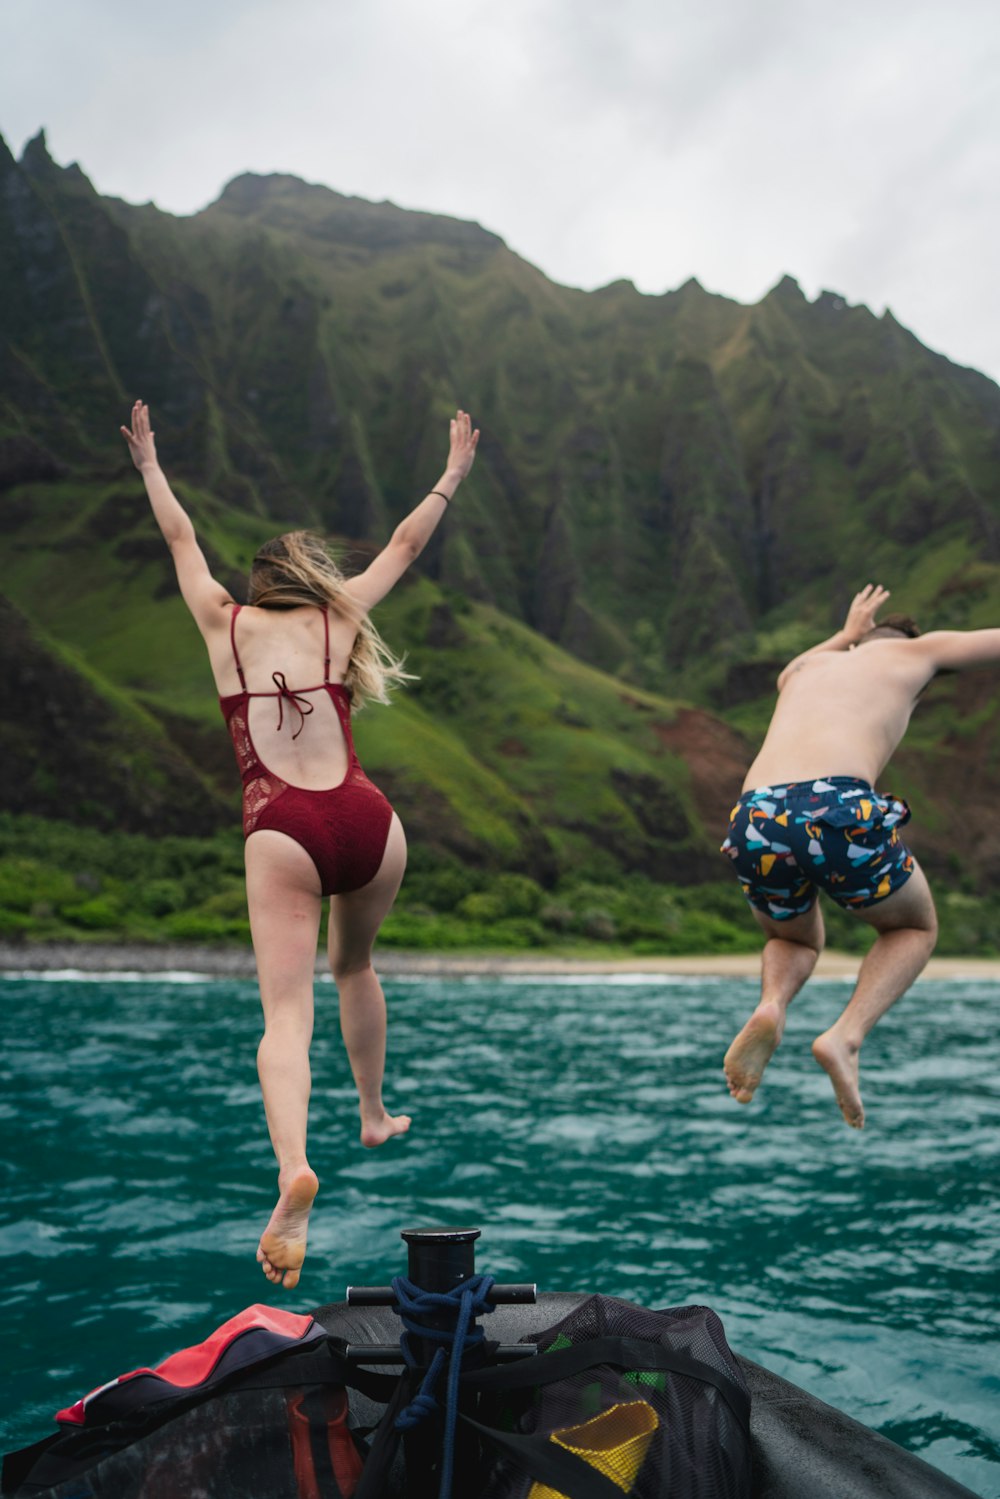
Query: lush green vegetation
[(63, 883)]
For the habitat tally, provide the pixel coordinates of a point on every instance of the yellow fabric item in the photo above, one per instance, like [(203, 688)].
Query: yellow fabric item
[(615, 1443), (767, 863)]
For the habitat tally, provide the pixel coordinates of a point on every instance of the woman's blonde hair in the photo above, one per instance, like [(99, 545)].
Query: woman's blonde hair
[(297, 569)]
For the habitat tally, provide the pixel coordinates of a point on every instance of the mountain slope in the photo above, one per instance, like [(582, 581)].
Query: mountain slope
[(678, 491)]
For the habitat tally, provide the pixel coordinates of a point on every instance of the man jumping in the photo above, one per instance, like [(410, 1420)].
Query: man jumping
[(809, 817)]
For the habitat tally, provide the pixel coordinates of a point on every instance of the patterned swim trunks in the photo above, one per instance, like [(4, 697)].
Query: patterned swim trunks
[(836, 832)]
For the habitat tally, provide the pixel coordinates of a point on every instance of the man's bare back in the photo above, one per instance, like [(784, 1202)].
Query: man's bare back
[(844, 706), (810, 816), (842, 712)]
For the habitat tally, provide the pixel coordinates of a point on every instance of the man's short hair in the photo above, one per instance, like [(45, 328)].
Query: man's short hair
[(900, 624)]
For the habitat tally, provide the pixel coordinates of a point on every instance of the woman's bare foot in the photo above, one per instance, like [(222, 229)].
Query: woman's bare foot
[(282, 1245), (381, 1127), (840, 1062), (753, 1048)]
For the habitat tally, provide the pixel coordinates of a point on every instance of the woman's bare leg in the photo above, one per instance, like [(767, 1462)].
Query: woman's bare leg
[(906, 923), (788, 959), (283, 895), (354, 923)]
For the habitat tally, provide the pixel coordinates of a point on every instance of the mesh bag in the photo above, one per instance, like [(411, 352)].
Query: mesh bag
[(649, 1403)]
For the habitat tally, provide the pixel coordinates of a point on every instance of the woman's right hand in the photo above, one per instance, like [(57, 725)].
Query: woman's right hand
[(463, 445), (140, 439)]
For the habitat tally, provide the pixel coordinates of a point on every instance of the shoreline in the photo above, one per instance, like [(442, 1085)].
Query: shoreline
[(238, 962)]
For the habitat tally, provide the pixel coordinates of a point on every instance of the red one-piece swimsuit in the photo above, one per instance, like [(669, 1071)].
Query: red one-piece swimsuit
[(343, 829)]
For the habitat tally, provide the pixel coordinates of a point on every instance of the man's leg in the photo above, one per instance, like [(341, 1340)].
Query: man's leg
[(788, 959), (907, 931)]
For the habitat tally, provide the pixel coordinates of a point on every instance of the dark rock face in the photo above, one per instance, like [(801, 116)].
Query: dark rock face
[(668, 845), (444, 631), (69, 754), (681, 460), (748, 680), (23, 461)]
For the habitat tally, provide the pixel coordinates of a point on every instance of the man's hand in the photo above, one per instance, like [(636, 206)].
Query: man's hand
[(864, 607), (140, 439)]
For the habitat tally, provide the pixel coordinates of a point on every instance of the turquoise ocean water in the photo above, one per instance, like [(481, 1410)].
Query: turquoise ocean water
[(583, 1123)]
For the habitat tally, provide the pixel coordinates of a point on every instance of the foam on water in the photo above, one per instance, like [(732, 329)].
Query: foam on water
[(109, 976), (584, 1125)]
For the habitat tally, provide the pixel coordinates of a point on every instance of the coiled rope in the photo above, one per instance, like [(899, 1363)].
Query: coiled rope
[(465, 1301)]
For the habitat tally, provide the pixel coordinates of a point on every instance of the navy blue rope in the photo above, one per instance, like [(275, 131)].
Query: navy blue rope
[(466, 1300)]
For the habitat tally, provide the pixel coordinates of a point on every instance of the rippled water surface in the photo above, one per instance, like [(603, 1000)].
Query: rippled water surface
[(583, 1123)]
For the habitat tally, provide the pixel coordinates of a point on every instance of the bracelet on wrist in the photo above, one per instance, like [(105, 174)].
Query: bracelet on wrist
[(441, 494)]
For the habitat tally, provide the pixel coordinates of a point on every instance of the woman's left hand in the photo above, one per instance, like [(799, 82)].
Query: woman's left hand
[(140, 439), (463, 445)]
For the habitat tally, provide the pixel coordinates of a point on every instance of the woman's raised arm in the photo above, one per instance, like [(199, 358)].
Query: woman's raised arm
[(412, 534), (204, 596)]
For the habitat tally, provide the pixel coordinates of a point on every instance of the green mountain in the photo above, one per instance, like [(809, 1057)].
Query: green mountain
[(673, 495)]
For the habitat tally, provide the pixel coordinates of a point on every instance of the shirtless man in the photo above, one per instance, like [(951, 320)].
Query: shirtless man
[(808, 816)]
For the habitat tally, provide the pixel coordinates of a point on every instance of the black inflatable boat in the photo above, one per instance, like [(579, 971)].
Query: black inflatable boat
[(267, 1431)]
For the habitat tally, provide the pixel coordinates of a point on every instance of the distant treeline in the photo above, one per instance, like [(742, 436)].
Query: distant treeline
[(63, 883)]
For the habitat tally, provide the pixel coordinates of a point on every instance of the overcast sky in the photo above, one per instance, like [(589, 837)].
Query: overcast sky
[(855, 146)]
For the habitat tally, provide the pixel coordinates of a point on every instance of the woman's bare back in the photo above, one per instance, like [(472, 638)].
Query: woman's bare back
[(297, 733)]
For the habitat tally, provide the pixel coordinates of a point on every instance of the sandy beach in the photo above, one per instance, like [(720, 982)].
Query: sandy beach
[(236, 962)]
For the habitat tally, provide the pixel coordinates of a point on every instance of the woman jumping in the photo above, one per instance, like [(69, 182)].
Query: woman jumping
[(315, 826)]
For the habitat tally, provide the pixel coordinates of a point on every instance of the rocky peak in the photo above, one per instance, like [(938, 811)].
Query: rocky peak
[(35, 158), (786, 290)]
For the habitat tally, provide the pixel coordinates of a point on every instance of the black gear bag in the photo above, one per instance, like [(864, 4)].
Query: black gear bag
[(619, 1400)]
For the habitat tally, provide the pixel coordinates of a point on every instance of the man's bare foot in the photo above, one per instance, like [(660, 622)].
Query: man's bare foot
[(382, 1127), (753, 1048), (282, 1245), (840, 1062)]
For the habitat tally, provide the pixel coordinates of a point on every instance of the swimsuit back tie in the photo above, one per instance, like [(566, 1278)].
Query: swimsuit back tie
[(295, 700)]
